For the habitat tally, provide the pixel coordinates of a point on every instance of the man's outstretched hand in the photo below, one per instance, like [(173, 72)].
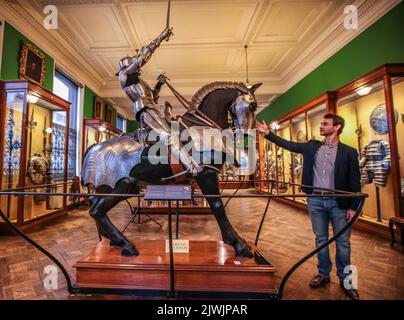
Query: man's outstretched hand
[(262, 127)]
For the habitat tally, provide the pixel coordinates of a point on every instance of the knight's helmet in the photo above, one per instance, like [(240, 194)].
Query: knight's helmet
[(124, 62)]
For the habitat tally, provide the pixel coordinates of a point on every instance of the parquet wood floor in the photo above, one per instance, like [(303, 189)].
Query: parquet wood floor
[(286, 237)]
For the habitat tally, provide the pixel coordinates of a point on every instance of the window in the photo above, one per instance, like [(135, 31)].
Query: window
[(120, 123), (68, 90)]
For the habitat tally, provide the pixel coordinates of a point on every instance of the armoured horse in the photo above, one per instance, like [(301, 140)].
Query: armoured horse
[(122, 164)]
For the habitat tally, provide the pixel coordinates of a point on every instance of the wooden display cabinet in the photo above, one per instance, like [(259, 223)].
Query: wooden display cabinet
[(33, 149), (384, 93), (371, 115), (232, 177)]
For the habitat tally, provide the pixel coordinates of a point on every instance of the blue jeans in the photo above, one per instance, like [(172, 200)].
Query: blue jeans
[(322, 210)]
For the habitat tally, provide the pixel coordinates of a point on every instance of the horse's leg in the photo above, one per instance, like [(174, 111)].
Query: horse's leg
[(106, 228), (209, 184), (93, 202)]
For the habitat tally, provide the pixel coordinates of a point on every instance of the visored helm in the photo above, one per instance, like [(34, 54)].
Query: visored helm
[(124, 62)]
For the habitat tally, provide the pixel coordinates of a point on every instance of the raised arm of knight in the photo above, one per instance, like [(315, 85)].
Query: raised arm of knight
[(145, 54)]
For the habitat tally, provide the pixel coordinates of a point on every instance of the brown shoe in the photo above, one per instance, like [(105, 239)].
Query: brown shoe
[(319, 281), (351, 293)]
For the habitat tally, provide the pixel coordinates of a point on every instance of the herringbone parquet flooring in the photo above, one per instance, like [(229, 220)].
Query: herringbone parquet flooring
[(286, 237)]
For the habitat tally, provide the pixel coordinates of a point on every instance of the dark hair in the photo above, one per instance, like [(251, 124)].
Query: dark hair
[(336, 120)]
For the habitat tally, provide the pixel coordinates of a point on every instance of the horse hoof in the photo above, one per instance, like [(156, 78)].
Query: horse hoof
[(129, 252), (243, 250)]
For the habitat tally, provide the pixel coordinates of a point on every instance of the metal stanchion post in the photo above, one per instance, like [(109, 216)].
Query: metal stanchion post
[(172, 292)]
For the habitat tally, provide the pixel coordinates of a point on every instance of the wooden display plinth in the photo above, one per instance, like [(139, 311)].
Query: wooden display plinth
[(210, 266)]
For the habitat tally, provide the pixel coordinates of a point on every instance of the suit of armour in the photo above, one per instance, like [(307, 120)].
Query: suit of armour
[(145, 98), (375, 163)]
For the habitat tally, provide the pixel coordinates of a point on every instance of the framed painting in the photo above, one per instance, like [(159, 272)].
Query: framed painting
[(109, 115), (98, 108), (32, 64)]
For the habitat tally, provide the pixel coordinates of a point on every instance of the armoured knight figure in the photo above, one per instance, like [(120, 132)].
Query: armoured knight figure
[(145, 99), (375, 163), (39, 173)]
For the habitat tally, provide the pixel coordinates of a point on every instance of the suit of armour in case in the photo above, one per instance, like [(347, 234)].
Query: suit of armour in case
[(375, 163)]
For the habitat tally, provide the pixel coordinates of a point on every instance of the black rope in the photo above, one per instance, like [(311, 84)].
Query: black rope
[(197, 196), (70, 287), (234, 193), (261, 223)]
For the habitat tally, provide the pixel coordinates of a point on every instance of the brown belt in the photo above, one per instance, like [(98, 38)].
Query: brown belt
[(324, 193)]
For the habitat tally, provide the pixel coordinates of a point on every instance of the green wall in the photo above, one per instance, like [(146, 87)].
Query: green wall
[(88, 107), (381, 43), (109, 105), (12, 44), (131, 126), (88, 103)]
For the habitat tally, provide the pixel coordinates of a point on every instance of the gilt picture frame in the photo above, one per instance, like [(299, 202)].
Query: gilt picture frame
[(32, 64), (98, 108), (109, 115)]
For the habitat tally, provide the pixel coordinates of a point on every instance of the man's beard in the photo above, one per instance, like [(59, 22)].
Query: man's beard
[(325, 134)]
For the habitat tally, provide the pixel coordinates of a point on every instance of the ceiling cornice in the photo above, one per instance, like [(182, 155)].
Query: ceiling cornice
[(25, 19), (334, 39)]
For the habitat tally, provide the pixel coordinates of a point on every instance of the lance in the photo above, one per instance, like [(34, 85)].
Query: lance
[(44, 137), (358, 132), (31, 124), (87, 140), (168, 15), (48, 199)]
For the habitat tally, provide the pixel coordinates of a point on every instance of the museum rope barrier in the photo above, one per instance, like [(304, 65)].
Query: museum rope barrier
[(72, 289)]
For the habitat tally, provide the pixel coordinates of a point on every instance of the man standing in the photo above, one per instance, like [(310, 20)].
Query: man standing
[(327, 164)]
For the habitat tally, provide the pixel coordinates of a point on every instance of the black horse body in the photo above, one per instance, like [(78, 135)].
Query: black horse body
[(216, 106)]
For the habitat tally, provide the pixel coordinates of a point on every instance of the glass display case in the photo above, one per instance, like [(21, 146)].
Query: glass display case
[(96, 131), (33, 150), (373, 109), (233, 177), (284, 161), (259, 162), (314, 118), (398, 103), (367, 130), (269, 167), (299, 134)]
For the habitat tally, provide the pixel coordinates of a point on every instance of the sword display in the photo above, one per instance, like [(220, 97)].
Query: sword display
[(45, 138), (12, 145), (31, 125), (49, 199), (87, 140), (358, 132)]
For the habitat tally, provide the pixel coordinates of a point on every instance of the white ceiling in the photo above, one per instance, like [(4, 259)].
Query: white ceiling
[(286, 40)]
